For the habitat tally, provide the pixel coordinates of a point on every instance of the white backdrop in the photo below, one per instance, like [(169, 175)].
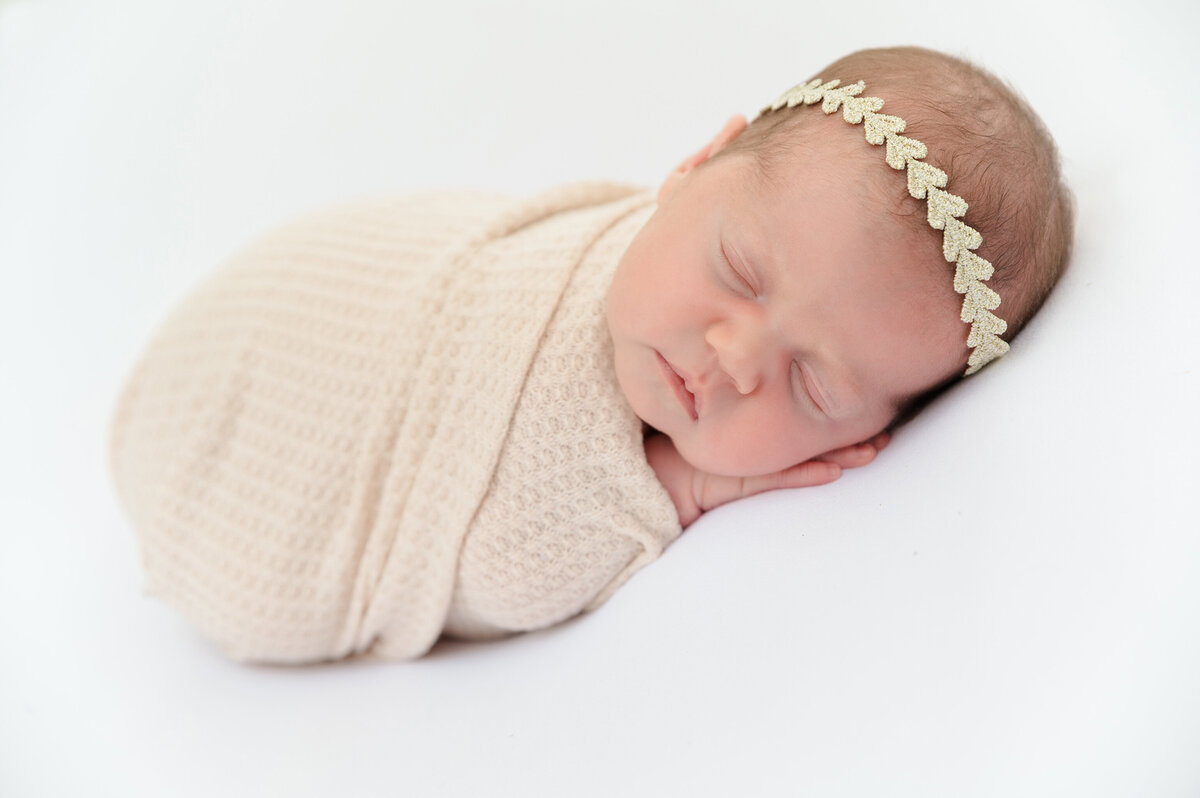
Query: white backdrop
[(1005, 603)]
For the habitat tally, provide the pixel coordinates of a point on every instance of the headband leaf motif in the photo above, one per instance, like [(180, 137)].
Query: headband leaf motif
[(926, 182)]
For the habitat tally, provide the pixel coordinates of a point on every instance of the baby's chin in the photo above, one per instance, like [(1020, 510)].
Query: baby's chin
[(728, 463)]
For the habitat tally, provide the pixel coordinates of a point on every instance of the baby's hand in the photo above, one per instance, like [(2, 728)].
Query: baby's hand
[(694, 491)]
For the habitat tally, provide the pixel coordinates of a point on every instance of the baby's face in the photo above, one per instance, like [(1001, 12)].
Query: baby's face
[(760, 328)]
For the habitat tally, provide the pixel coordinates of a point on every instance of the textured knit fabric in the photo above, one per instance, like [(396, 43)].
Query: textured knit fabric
[(390, 419)]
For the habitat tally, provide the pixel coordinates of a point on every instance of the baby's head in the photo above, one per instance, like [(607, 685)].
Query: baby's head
[(789, 296)]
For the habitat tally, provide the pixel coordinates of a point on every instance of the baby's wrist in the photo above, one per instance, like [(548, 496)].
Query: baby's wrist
[(675, 474)]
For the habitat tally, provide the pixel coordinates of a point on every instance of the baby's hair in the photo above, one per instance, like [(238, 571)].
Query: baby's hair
[(997, 152)]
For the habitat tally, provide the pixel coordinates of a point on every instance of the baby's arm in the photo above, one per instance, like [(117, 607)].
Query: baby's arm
[(694, 492)]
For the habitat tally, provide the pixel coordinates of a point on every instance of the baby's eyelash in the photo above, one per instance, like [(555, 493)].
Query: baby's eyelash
[(804, 389), (743, 282)]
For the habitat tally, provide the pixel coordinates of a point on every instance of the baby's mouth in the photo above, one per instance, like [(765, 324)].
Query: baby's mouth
[(678, 386)]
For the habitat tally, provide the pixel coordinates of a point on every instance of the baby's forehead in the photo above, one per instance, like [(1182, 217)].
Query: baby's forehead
[(833, 187), (834, 159), (843, 215)]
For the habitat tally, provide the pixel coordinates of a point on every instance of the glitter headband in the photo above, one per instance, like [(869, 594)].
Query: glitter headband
[(924, 182)]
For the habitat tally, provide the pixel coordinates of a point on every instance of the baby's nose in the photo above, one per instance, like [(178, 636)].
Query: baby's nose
[(740, 354), (745, 380)]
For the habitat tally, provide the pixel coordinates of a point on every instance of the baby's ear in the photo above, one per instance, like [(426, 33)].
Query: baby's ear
[(733, 128)]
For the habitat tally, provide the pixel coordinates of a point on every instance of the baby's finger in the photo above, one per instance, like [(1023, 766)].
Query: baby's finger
[(711, 491), (810, 474), (851, 456), (804, 475)]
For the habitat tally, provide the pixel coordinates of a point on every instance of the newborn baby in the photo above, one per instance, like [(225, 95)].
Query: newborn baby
[(463, 414)]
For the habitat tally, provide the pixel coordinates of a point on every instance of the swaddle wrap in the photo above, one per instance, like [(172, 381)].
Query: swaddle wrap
[(390, 419)]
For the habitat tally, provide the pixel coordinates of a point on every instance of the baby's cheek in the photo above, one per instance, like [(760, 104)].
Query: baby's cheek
[(625, 307), (738, 453)]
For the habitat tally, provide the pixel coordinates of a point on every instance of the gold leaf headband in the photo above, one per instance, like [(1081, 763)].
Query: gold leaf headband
[(924, 182)]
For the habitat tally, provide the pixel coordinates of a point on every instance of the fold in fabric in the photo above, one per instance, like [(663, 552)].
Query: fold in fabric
[(392, 419)]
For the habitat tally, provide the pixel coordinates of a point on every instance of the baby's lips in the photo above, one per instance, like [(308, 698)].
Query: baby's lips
[(696, 396)]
